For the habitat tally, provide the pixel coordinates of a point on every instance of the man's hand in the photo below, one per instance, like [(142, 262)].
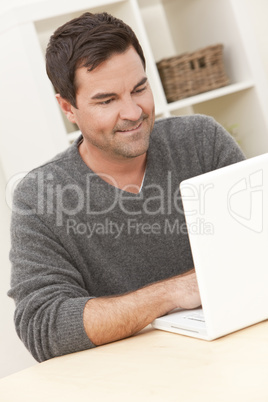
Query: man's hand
[(187, 290), (107, 319)]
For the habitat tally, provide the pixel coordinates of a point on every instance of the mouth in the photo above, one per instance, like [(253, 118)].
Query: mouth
[(131, 129)]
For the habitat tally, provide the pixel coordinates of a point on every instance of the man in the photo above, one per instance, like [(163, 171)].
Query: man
[(99, 241)]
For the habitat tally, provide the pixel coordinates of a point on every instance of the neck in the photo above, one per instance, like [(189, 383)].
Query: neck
[(124, 173)]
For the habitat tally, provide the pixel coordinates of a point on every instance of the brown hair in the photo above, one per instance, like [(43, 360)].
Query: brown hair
[(86, 41)]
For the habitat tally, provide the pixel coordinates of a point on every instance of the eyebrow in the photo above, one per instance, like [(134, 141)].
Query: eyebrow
[(104, 95)]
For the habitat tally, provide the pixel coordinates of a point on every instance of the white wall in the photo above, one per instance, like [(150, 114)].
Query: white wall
[(258, 11), (13, 355)]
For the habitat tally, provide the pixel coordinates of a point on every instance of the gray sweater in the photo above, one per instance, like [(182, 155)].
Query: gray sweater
[(75, 237)]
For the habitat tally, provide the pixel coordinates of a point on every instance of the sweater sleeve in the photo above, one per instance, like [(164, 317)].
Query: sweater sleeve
[(47, 288)]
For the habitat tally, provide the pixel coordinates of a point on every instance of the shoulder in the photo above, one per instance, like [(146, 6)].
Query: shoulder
[(184, 128), (184, 132), (54, 170), (196, 138), (186, 123)]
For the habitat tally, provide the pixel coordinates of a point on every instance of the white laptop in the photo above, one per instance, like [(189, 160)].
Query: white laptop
[(227, 220)]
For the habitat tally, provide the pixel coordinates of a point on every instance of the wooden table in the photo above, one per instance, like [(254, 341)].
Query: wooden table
[(152, 366)]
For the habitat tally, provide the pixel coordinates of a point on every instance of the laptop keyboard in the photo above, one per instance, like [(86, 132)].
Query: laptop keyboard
[(197, 316)]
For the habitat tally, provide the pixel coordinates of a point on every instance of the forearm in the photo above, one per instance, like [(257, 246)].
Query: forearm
[(112, 318)]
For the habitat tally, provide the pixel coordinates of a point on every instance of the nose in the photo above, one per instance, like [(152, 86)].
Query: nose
[(130, 110)]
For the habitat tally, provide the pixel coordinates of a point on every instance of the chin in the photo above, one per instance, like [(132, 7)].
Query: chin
[(134, 152)]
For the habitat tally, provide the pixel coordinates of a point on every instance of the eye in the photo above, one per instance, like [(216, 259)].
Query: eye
[(139, 90), (106, 102)]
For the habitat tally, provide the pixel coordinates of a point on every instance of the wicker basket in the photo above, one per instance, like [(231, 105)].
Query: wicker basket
[(193, 73)]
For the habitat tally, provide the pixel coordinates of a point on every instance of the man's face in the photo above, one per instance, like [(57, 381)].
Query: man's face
[(115, 107)]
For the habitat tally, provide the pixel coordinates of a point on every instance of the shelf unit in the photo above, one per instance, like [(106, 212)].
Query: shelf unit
[(33, 129)]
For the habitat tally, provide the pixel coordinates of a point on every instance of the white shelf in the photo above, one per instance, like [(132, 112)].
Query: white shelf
[(206, 96)]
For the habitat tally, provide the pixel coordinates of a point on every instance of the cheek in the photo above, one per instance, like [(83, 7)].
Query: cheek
[(97, 121), (105, 119), (148, 103)]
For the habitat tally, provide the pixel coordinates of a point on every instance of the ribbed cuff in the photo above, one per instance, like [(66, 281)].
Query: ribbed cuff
[(71, 333)]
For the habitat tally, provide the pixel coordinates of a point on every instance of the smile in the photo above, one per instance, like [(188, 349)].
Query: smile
[(130, 129)]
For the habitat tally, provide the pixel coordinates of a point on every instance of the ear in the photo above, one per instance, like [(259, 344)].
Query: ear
[(67, 108)]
